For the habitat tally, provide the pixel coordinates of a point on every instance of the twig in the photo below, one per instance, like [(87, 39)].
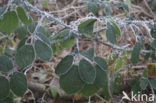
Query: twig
[(89, 101), (37, 87), (150, 9), (143, 11), (3, 37), (109, 85), (32, 95), (75, 30), (72, 7), (123, 48), (77, 44), (43, 100), (102, 99), (49, 16)]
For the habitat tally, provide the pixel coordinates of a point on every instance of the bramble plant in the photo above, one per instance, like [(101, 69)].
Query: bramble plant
[(81, 72)]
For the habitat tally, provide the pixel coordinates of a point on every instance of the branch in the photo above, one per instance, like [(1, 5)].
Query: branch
[(75, 30), (2, 37), (123, 48), (37, 87), (49, 16), (150, 9)]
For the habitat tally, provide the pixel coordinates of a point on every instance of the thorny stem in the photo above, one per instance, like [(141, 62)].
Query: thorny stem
[(123, 48), (39, 24), (51, 17), (77, 44)]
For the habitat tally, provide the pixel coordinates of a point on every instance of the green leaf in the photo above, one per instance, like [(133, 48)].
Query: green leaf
[(6, 100), (71, 82), (45, 4), (128, 2), (64, 65), (143, 83), (117, 29), (106, 92), (115, 84), (135, 53), (58, 49), (135, 84), (23, 17), (18, 84), (87, 72), (75, 51), (53, 46), (93, 7), (1, 35), (153, 5), (124, 6), (89, 54), (21, 32), (87, 26), (68, 43), (44, 31), (119, 63), (115, 87), (1, 50), (32, 27), (101, 77), (145, 73), (101, 63), (153, 83), (21, 43), (153, 44), (89, 90), (106, 9), (2, 10), (63, 34), (9, 52), (54, 91), (4, 87), (43, 51), (43, 38), (9, 22), (5, 64), (111, 33), (25, 56), (153, 56), (153, 31)]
